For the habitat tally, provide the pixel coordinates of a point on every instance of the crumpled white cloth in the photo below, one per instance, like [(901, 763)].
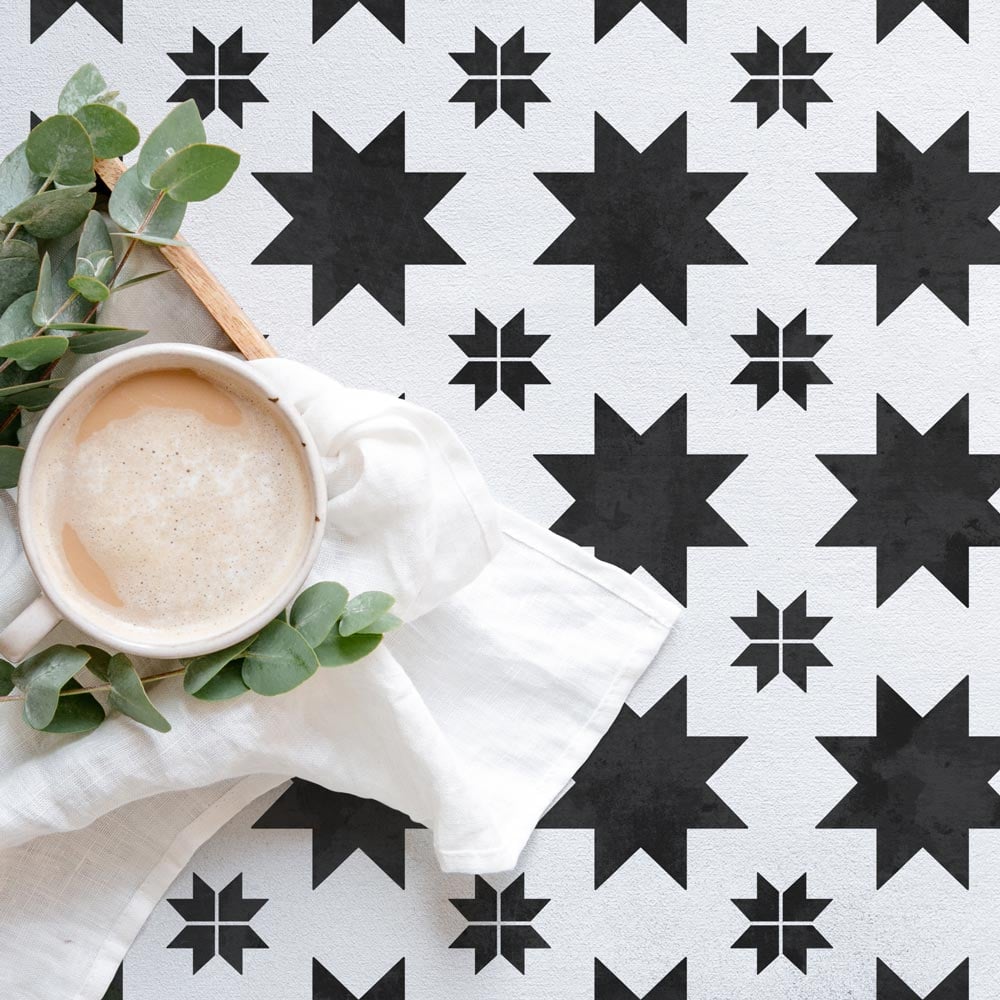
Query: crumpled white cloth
[(518, 654)]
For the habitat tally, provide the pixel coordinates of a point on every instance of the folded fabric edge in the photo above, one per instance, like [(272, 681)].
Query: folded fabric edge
[(131, 919)]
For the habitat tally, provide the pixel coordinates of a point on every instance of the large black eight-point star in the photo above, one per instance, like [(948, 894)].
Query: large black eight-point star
[(645, 786), (342, 824), (673, 13), (358, 218), (922, 782), (391, 13), (642, 499), (640, 218), (892, 13), (955, 986), (922, 500), (107, 13), (392, 986), (922, 218)]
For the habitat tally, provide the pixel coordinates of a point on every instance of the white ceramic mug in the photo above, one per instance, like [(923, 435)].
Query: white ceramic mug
[(55, 603)]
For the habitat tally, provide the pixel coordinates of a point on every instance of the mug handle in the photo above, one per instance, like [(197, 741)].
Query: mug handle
[(28, 629)]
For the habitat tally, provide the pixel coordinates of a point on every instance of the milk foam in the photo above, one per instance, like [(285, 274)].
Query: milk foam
[(195, 521)]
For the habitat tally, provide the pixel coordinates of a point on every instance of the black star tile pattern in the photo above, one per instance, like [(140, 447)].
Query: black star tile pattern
[(341, 824), (922, 218), (608, 13), (922, 500), (392, 986), (782, 359), (954, 986), (892, 13), (500, 77), (107, 13), (782, 77), (642, 499), (640, 218), (358, 218), (781, 641), (781, 923), (922, 782), (218, 76), (391, 14), (499, 923), (607, 986), (501, 359), (645, 786), (217, 923)]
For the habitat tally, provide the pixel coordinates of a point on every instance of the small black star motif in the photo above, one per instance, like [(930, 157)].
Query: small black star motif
[(642, 499), (218, 75), (391, 13), (645, 786), (782, 77), (955, 986), (781, 641), (922, 500), (922, 782), (217, 923), (107, 13), (781, 923), (501, 359), (499, 923), (892, 13), (782, 359), (358, 218), (640, 218), (922, 218), (342, 824), (673, 986), (500, 77), (392, 986), (673, 13)]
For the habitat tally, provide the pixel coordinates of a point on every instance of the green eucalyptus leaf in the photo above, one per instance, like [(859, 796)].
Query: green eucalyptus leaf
[(129, 696), (200, 670), (6, 678), (16, 322), (95, 255), (155, 241), (139, 279), (278, 660), (10, 466), (363, 610), (226, 684), (111, 133), (131, 202), (41, 677), (60, 148), (10, 434), (55, 301), (19, 266), (196, 172), (92, 289), (85, 86), (78, 713), (103, 340), (31, 395), (338, 650), (33, 352), (181, 127), (316, 610), (18, 182), (53, 213), (383, 624), (98, 662)]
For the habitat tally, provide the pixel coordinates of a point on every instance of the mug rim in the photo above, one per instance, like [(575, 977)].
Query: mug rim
[(199, 358)]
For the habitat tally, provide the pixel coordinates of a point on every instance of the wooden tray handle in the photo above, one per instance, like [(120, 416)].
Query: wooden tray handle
[(226, 311)]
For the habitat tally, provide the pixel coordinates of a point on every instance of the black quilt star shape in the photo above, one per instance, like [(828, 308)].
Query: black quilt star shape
[(642, 499), (922, 500), (645, 786), (892, 13), (673, 13), (217, 923), (391, 13), (922, 218), (955, 986), (781, 77), (499, 923), (922, 782), (640, 218), (342, 824), (782, 641), (107, 13), (392, 986), (358, 218), (218, 76), (607, 986), (782, 359), (781, 923)]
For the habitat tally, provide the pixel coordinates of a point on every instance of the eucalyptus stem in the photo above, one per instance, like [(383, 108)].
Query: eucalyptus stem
[(12, 416), (152, 678)]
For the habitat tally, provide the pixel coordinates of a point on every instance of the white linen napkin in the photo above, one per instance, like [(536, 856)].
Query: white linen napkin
[(518, 654)]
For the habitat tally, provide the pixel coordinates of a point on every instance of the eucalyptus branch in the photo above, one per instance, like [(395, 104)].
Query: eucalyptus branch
[(17, 225), (98, 688)]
